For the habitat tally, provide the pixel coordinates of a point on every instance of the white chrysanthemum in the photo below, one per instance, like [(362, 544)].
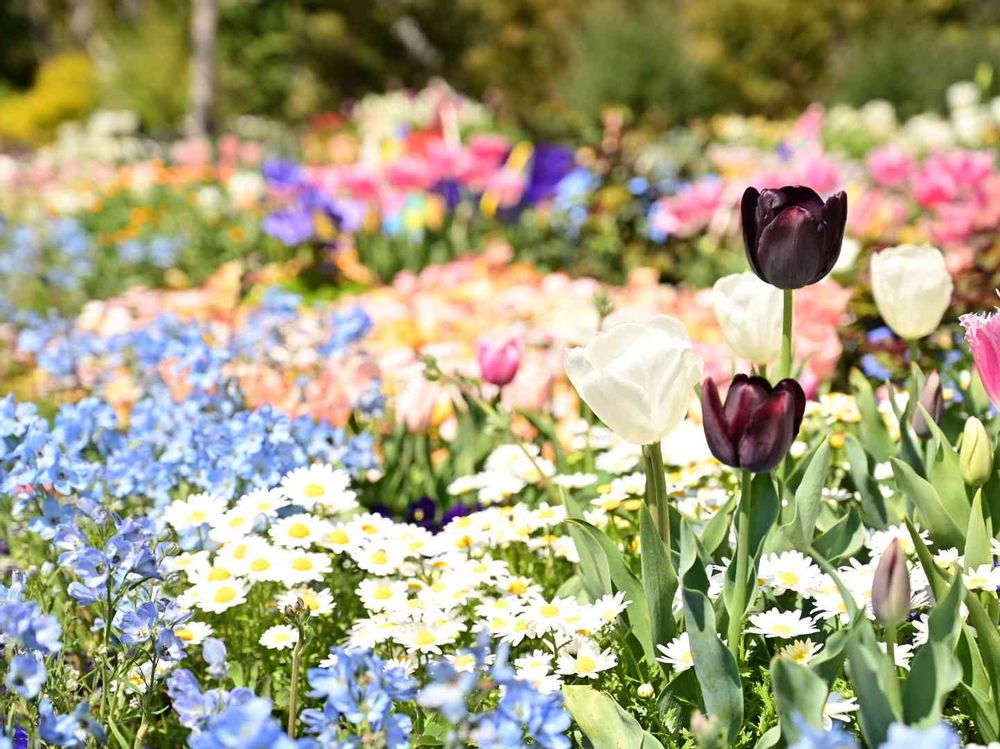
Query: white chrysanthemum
[(789, 570), (983, 577), (262, 501), (218, 596), (300, 567), (232, 525), (280, 637), (800, 651), (301, 530), (320, 486), (677, 653), (781, 624), (192, 632), (195, 511), (584, 659), (382, 594), (377, 560), (575, 480)]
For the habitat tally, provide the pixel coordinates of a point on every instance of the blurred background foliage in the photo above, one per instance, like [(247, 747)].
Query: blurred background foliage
[(546, 66)]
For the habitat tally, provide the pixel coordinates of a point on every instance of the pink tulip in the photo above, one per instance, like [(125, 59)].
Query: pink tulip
[(499, 361), (982, 331)]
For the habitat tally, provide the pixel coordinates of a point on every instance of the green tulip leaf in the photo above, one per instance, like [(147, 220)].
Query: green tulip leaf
[(622, 578), (714, 666), (872, 502), (799, 695), (659, 579), (843, 539), (874, 434), (942, 525), (604, 722), (716, 530), (978, 536), (871, 675), (935, 670)]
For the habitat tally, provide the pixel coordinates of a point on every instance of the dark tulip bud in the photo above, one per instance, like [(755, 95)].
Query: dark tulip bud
[(931, 398), (792, 237), (891, 586), (758, 423)]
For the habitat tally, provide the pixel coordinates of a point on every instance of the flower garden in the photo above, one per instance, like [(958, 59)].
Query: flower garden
[(434, 436)]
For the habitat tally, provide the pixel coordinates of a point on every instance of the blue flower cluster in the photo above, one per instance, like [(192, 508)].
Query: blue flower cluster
[(32, 634), (60, 252), (940, 736), (360, 691), (523, 716), (224, 720)]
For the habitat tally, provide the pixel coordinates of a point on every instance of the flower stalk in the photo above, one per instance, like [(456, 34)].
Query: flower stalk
[(786, 337), (656, 493), (735, 632)]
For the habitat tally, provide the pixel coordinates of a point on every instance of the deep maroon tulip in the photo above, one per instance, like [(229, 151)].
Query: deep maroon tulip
[(792, 237), (931, 398), (756, 427)]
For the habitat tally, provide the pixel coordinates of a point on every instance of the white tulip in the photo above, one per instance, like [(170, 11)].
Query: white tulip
[(912, 288), (749, 312), (637, 377)]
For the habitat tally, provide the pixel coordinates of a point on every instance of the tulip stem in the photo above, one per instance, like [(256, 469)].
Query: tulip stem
[(786, 338), (914, 351), (742, 569), (656, 493)]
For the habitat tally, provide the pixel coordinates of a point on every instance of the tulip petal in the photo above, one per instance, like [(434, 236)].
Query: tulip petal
[(790, 252), (835, 218), (744, 396), (799, 400), (748, 213), (716, 431), (804, 197), (770, 433)]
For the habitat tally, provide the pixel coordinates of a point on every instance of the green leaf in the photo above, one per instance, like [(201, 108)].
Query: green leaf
[(871, 674), (978, 536), (808, 497), (800, 695), (715, 667), (604, 722), (944, 528), (935, 671), (716, 530), (770, 738), (659, 579), (989, 643), (843, 539), (764, 509), (874, 435), (943, 470), (624, 580), (594, 569), (872, 502)]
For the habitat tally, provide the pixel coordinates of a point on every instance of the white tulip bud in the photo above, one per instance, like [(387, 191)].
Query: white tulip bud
[(912, 288), (749, 312)]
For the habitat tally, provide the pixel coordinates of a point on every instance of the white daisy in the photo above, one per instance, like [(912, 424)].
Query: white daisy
[(677, 653), (280, 637), (320, 486), (781, 624)]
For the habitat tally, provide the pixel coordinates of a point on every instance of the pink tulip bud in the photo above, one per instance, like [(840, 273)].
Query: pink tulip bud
[(891, 586), (499, 360)]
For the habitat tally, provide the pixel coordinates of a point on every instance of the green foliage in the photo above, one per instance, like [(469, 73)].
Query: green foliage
[(634, 54), (150, 71)]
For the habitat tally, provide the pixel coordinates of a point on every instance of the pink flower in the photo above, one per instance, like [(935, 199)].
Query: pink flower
[(499, 361), (890, 165), (982, 331)]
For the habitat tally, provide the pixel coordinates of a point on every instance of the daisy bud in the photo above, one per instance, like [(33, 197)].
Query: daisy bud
[(645, 691), (975, 457), (891, 586)]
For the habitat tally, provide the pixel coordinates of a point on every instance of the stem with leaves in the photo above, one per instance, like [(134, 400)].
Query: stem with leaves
[(735, 632)]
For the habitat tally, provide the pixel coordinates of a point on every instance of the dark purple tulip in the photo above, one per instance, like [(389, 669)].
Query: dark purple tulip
[(758, 423), (792, 237), (932, 398)]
